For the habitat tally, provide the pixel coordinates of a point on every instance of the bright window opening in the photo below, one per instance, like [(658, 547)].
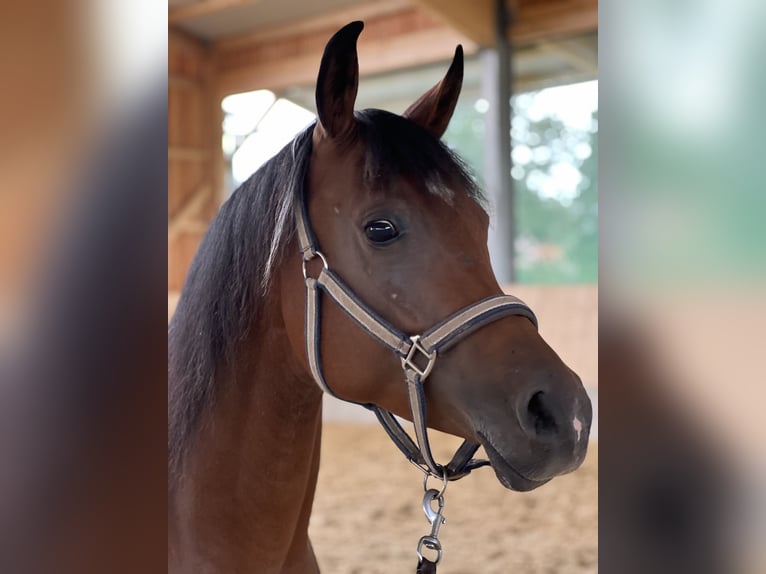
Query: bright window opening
[(256, 126)]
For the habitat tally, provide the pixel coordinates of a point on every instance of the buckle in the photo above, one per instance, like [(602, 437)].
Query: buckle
[(408, 362)]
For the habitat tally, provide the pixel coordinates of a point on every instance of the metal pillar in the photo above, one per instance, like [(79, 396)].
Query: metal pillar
[(496, 80)]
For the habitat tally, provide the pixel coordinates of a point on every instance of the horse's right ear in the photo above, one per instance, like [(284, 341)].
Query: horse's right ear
[(434, 109), (337, 84)]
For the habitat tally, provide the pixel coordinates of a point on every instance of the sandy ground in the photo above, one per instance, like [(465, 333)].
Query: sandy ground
[(367, 514)]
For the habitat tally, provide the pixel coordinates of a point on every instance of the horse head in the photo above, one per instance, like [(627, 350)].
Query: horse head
[(400, 221)]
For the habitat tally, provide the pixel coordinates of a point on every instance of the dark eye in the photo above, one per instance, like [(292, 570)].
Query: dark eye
[(381, 231)]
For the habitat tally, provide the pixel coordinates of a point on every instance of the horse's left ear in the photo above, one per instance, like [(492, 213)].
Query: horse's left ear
[(337, 84), (434, 109)]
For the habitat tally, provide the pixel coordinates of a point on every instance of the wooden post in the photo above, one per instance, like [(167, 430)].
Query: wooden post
[(496, 80)]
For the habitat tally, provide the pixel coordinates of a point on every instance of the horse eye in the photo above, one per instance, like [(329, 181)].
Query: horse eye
[(381, 231)]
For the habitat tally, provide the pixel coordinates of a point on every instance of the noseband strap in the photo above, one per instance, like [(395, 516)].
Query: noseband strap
[(417, 353)]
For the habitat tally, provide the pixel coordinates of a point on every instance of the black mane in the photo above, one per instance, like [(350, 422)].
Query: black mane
[(221, 299)]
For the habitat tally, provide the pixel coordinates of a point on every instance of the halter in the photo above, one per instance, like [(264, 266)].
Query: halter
[(417, 353)]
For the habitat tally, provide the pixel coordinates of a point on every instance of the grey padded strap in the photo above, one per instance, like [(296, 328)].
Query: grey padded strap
[(398, 435), (416, 395), (313, 315), (305, 237), (375, 325), (442, 336), (461, 464)]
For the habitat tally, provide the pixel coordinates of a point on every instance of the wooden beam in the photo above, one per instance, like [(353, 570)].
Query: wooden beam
[(188, 153), (474, 19), (533, 19), (407, 37), (551, 19), (190, 209), (194, 149), (186, 55), (185, 43), (396, 35), (201, 8), (183, 82), (426, 47), (330, 21)]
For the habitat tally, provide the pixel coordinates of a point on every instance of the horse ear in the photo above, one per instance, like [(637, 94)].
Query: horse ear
[(434, 109), (337, 83)]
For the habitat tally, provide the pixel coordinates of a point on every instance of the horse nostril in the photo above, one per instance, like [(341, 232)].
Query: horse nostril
[(540, 416)]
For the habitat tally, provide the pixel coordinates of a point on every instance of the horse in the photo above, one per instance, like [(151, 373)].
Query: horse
[(314, 276)]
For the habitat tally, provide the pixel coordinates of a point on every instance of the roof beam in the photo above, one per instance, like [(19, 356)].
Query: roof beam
[(389, 40), (332, 20), (532, 19), (473, 19), (551, 19), (201, 8)]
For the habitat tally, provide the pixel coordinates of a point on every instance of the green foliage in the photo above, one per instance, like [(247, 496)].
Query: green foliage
[(556, 190)]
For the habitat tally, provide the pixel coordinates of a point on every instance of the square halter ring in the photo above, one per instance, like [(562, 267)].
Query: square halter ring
[(408, 362)]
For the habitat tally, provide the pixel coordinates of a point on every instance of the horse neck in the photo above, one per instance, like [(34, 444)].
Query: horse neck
[(245, 499)]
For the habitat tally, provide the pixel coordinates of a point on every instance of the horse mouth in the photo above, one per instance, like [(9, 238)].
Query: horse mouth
[(508, 476)]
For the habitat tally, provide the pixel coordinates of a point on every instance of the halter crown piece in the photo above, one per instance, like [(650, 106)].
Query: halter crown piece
[(417, 353)]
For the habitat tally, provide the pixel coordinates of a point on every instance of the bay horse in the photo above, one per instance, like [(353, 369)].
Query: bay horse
[(315, 275)]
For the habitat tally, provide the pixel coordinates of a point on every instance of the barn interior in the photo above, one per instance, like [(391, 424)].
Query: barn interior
[(219, 49)]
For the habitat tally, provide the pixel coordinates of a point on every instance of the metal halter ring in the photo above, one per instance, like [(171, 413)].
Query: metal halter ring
[(408, 362), (314, 255), (445, 482), (422, 467), (431, 543)]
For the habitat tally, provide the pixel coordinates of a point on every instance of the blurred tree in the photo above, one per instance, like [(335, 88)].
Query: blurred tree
[(556, 189)]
